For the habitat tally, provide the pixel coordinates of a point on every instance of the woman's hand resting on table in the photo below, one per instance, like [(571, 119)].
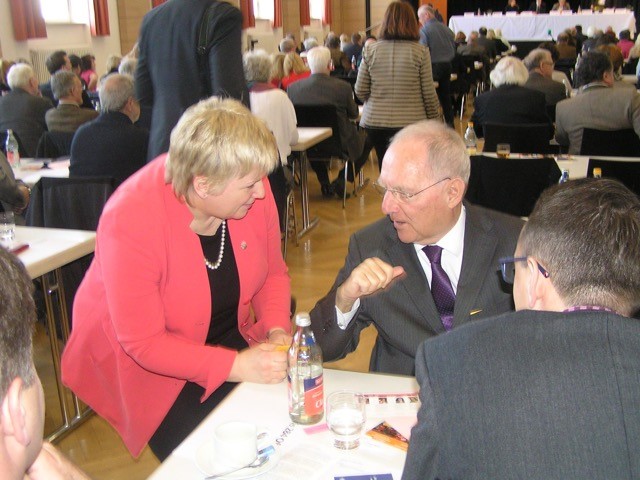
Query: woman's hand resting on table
[(264, 363)]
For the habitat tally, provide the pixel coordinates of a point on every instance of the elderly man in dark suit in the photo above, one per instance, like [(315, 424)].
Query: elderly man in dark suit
[(550, 391), (322, 89), (67, 116), (171, 76), (111, 145), (540, 66), (597, 104), (428, 267), (509, 102), (23, 109)]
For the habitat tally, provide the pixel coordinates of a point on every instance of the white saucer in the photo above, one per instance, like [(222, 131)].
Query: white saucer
[(208, 464)]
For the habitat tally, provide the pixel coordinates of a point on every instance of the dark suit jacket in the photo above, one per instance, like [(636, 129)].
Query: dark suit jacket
[(553, 91), (24, 114), (68, 117), (509, 104), (535, 395), (168, 78), (319, 89), (543, 7), (405, 314), (109, 146)]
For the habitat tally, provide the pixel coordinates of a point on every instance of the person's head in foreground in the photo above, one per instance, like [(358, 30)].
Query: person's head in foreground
[(590, 257), (594, 67), (509, 71), (423, 179), (218, 155)]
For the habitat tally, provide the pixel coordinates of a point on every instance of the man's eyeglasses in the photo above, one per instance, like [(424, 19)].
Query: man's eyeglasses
[(508, 268), (403, 196)]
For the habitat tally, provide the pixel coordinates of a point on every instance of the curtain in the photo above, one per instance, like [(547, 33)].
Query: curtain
[(305, 16), (99, 18), (155, 3), (248, 19), (277, 13), (326, 16), (27, 20)]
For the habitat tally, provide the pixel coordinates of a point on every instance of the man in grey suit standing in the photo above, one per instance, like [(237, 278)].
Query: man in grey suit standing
[(429, 266), (551, 391)]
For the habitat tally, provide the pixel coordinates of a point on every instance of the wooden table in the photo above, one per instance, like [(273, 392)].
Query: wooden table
[(307, 452), (31, 170), (307, 138), (49, 250)]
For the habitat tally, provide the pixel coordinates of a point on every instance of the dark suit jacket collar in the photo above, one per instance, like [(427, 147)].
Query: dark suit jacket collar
[(115, 117)]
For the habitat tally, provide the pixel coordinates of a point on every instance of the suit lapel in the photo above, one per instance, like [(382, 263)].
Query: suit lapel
[(479, 248), (415, 285)]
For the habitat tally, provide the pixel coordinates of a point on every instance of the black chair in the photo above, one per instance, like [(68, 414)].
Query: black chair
[(71, 203), (629, 68), (627, 172), (566, 65), (475, 76), (510, 185), (54, 144), (617, 143), (529, 138), (325, 116)]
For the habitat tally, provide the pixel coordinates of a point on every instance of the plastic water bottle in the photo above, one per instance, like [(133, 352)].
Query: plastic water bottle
[(470, 139), (12, 149), (564, 177), (306, 392)]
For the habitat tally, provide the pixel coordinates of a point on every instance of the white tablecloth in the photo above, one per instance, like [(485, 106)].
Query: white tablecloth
[(537, 27)]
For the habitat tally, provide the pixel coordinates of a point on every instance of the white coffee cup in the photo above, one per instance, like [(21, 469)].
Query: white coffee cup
[(236, 444)]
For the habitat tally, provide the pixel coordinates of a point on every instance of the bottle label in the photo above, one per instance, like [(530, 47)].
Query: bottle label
[(13, 157), (313, 396)]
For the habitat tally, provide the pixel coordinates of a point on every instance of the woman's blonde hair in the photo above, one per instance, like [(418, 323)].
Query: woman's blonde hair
[(277, 70), (294, 63), (221, 140)]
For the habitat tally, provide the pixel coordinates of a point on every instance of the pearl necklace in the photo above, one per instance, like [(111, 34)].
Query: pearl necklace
[(214, 266)]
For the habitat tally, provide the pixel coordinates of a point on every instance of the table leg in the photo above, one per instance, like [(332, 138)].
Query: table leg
[(307, 223), (56, 289)]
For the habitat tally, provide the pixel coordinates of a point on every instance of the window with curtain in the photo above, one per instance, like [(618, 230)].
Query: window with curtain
[(316, 9), (263, 9), (65, 11)]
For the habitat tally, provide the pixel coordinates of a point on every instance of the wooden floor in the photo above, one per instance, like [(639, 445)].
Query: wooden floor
[(313, 265)]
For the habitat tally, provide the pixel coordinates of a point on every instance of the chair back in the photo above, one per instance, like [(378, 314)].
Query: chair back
[(322, 116), (629, 68), (72, 203), (566, 65), (528, 138), (627, 172), (54, 144), (510, 185), (617, 143)]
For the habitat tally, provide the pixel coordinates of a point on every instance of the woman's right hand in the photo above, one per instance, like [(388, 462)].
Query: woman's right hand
[(264, 363)]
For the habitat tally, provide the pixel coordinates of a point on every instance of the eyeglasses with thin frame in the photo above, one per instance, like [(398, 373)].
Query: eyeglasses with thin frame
[(508, 268), (403, 196)]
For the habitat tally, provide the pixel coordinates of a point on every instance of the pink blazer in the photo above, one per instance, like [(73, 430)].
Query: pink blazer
[(142, 312)]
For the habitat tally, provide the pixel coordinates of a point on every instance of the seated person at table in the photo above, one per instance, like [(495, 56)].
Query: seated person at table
[(509, 102), (487, 43), (429, 266), (565, 49), (561, 5), (341, 64), (187, 252), (550, 391), (294, 69), (59, 61), (67, 116), (615, 55), (14, 194), (322, 89), (111, 145), (472, 47), (540, 66), (597, 104), (512, 6), (538, 6), (23, 454), (23, 109)]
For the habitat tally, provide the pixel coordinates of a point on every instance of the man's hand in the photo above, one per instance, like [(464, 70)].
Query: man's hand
[(367, 278)]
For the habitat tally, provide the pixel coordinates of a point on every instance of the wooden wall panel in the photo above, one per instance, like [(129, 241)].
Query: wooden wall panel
[(130, 13)]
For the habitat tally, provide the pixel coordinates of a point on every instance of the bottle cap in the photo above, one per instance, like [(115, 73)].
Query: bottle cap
[(303, 319), (469, 124)]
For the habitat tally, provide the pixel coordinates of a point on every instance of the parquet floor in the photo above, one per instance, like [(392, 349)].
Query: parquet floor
[(313, 266)]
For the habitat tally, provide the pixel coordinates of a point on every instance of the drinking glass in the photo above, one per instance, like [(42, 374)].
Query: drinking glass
[(503, 150), (345, 418), (7, 228)]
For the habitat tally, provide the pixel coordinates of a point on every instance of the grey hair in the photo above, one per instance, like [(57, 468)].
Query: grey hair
[(535, 58), (287, 45), (19, 76), (128, 66), (318, 59), (310, 42), (62, 82), (445, 150), (509, 71), (115, 91), (257, 66)]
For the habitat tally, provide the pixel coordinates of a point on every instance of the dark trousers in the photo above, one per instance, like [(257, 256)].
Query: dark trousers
[(442, 75), (360, 161), (280, 189), (380, 138)]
